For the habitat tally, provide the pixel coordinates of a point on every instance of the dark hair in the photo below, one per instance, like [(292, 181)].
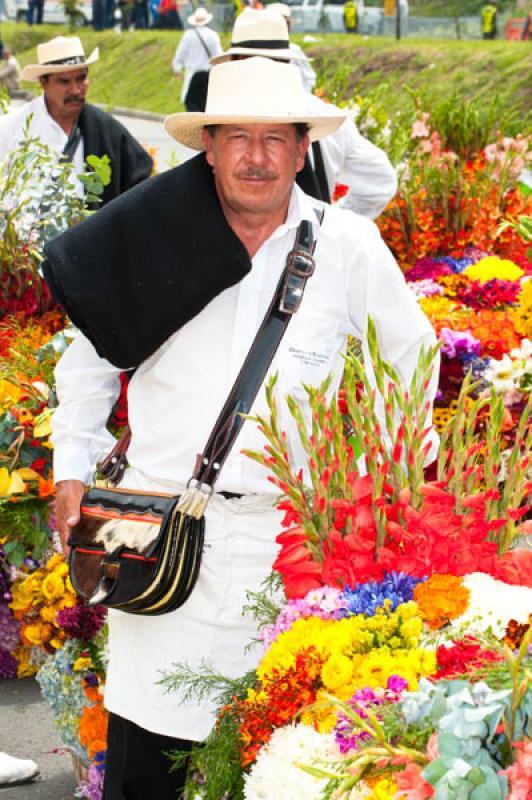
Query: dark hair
[(302, 128)]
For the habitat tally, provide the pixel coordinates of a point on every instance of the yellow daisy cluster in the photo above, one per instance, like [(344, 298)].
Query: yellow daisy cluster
[(355, 652), (36, 600), (493, 267)]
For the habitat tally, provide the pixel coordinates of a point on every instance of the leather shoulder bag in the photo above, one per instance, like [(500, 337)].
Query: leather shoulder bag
[(141, 553)]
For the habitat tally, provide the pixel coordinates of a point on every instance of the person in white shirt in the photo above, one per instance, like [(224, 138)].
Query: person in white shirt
[(308, 75), (63, 119), (344, 157), (9, 69), (197, 46), (254, 133)]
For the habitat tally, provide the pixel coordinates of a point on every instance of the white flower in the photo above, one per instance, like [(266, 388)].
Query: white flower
[(493, 604), (504, 375), (274, 776)]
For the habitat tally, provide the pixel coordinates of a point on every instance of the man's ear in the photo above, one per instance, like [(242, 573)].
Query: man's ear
[(207, 139)]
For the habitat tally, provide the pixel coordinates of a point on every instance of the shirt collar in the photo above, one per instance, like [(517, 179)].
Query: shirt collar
[(300, 206), (43, 110)]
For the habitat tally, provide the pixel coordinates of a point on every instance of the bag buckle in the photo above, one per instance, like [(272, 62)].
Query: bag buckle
[(300, 266)]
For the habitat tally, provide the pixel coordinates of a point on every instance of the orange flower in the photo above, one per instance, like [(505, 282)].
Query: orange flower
[(93, 728), (440, 599)]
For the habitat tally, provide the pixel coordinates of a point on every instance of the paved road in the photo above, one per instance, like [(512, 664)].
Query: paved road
[(27, 730)]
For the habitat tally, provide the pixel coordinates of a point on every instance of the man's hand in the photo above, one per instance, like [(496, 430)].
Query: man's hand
[(67, 503)]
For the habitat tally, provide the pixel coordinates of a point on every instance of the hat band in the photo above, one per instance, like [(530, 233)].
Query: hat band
[(71, 60), (263, 44)]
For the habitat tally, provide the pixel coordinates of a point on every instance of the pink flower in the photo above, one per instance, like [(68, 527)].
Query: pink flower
[(412, 785), (520, 774), (419, 128)]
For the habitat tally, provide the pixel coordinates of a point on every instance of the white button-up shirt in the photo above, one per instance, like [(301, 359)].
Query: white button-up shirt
[(194, 55), (42, 127), (175, 396), (174, 400)]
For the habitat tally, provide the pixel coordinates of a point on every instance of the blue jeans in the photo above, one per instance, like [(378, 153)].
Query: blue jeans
[(35, 9)]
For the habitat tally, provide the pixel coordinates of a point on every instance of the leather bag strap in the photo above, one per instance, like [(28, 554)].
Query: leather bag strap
[(285, 303), (319, 168)]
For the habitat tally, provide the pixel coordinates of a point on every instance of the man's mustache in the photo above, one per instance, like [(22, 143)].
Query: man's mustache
[(74, 98), (256, 172)]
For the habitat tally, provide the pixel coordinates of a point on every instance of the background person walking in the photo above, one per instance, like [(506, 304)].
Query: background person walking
[(488, 16), (198, 45)]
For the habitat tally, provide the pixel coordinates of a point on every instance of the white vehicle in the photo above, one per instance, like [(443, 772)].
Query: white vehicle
[(54, 11), (328, 15)]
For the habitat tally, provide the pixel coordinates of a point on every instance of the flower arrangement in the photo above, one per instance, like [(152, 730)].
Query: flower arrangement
[(72, 681), (38, 200), (457, 186), (356, 642), (37, 599)]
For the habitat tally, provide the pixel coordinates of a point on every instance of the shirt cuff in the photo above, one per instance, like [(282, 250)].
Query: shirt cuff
[(73, 461)]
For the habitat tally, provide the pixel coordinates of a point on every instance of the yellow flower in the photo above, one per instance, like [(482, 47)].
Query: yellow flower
[(493, 267), (43, 424), (54, 562), (38, 633), (81, 664), (11, 483), (53, 586), (25, 668), (48, 613), (336, 672), (382, 789), (9, 393)]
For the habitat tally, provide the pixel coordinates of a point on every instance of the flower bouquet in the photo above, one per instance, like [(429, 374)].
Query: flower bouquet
[(394, 588)]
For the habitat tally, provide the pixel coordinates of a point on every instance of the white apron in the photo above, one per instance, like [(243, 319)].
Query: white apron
[(239, 551)]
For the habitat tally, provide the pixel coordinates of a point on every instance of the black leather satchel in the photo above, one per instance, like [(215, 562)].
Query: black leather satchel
[(141, 553)]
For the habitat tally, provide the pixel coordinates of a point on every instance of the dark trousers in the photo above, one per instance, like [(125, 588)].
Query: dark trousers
[(35, 12), (136, 765)]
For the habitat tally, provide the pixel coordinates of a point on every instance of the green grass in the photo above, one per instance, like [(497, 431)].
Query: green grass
[(134, 68)]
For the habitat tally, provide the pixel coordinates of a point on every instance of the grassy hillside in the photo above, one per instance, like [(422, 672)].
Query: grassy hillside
[(134, 68)]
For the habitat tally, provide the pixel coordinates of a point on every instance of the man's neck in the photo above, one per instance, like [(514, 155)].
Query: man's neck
[(66, 122), (253, 229)]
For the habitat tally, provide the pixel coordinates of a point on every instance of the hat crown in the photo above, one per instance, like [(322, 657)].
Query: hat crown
[(233, 89), (60, 49), (281, 9), (259, 25)]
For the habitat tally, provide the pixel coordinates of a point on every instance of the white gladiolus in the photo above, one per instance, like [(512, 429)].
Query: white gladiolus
[(493, 604)]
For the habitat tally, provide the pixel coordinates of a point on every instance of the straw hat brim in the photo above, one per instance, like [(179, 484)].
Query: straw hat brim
[(33, 72), (287, 54), (187, 128), (192, 21)]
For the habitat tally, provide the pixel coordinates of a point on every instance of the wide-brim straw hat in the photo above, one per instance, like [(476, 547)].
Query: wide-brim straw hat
[(62, 54), (260, 32), (257, 91), (199, 18)]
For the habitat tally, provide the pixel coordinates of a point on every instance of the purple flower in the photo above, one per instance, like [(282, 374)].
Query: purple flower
[(92, 788), (366, 598), (8, 665), (457, 265), (427, 267), (346, 737), (9, 629), (455, 343), (81, 622)]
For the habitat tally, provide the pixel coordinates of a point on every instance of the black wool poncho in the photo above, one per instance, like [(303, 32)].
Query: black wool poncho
[(144, 265)]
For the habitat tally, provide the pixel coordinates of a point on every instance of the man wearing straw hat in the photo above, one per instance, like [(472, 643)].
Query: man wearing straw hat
[(197, 46), (226, 224), (345, 156), (62, 119)]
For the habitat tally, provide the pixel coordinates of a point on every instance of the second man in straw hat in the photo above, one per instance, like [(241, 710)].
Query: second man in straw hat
[(62, 119), (197, 46)]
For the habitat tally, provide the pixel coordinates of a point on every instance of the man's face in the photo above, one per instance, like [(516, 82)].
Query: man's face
[(255, 165), (65, 92)]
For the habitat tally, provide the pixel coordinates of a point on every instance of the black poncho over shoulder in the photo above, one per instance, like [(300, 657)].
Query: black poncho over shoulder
[(140, 268)]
